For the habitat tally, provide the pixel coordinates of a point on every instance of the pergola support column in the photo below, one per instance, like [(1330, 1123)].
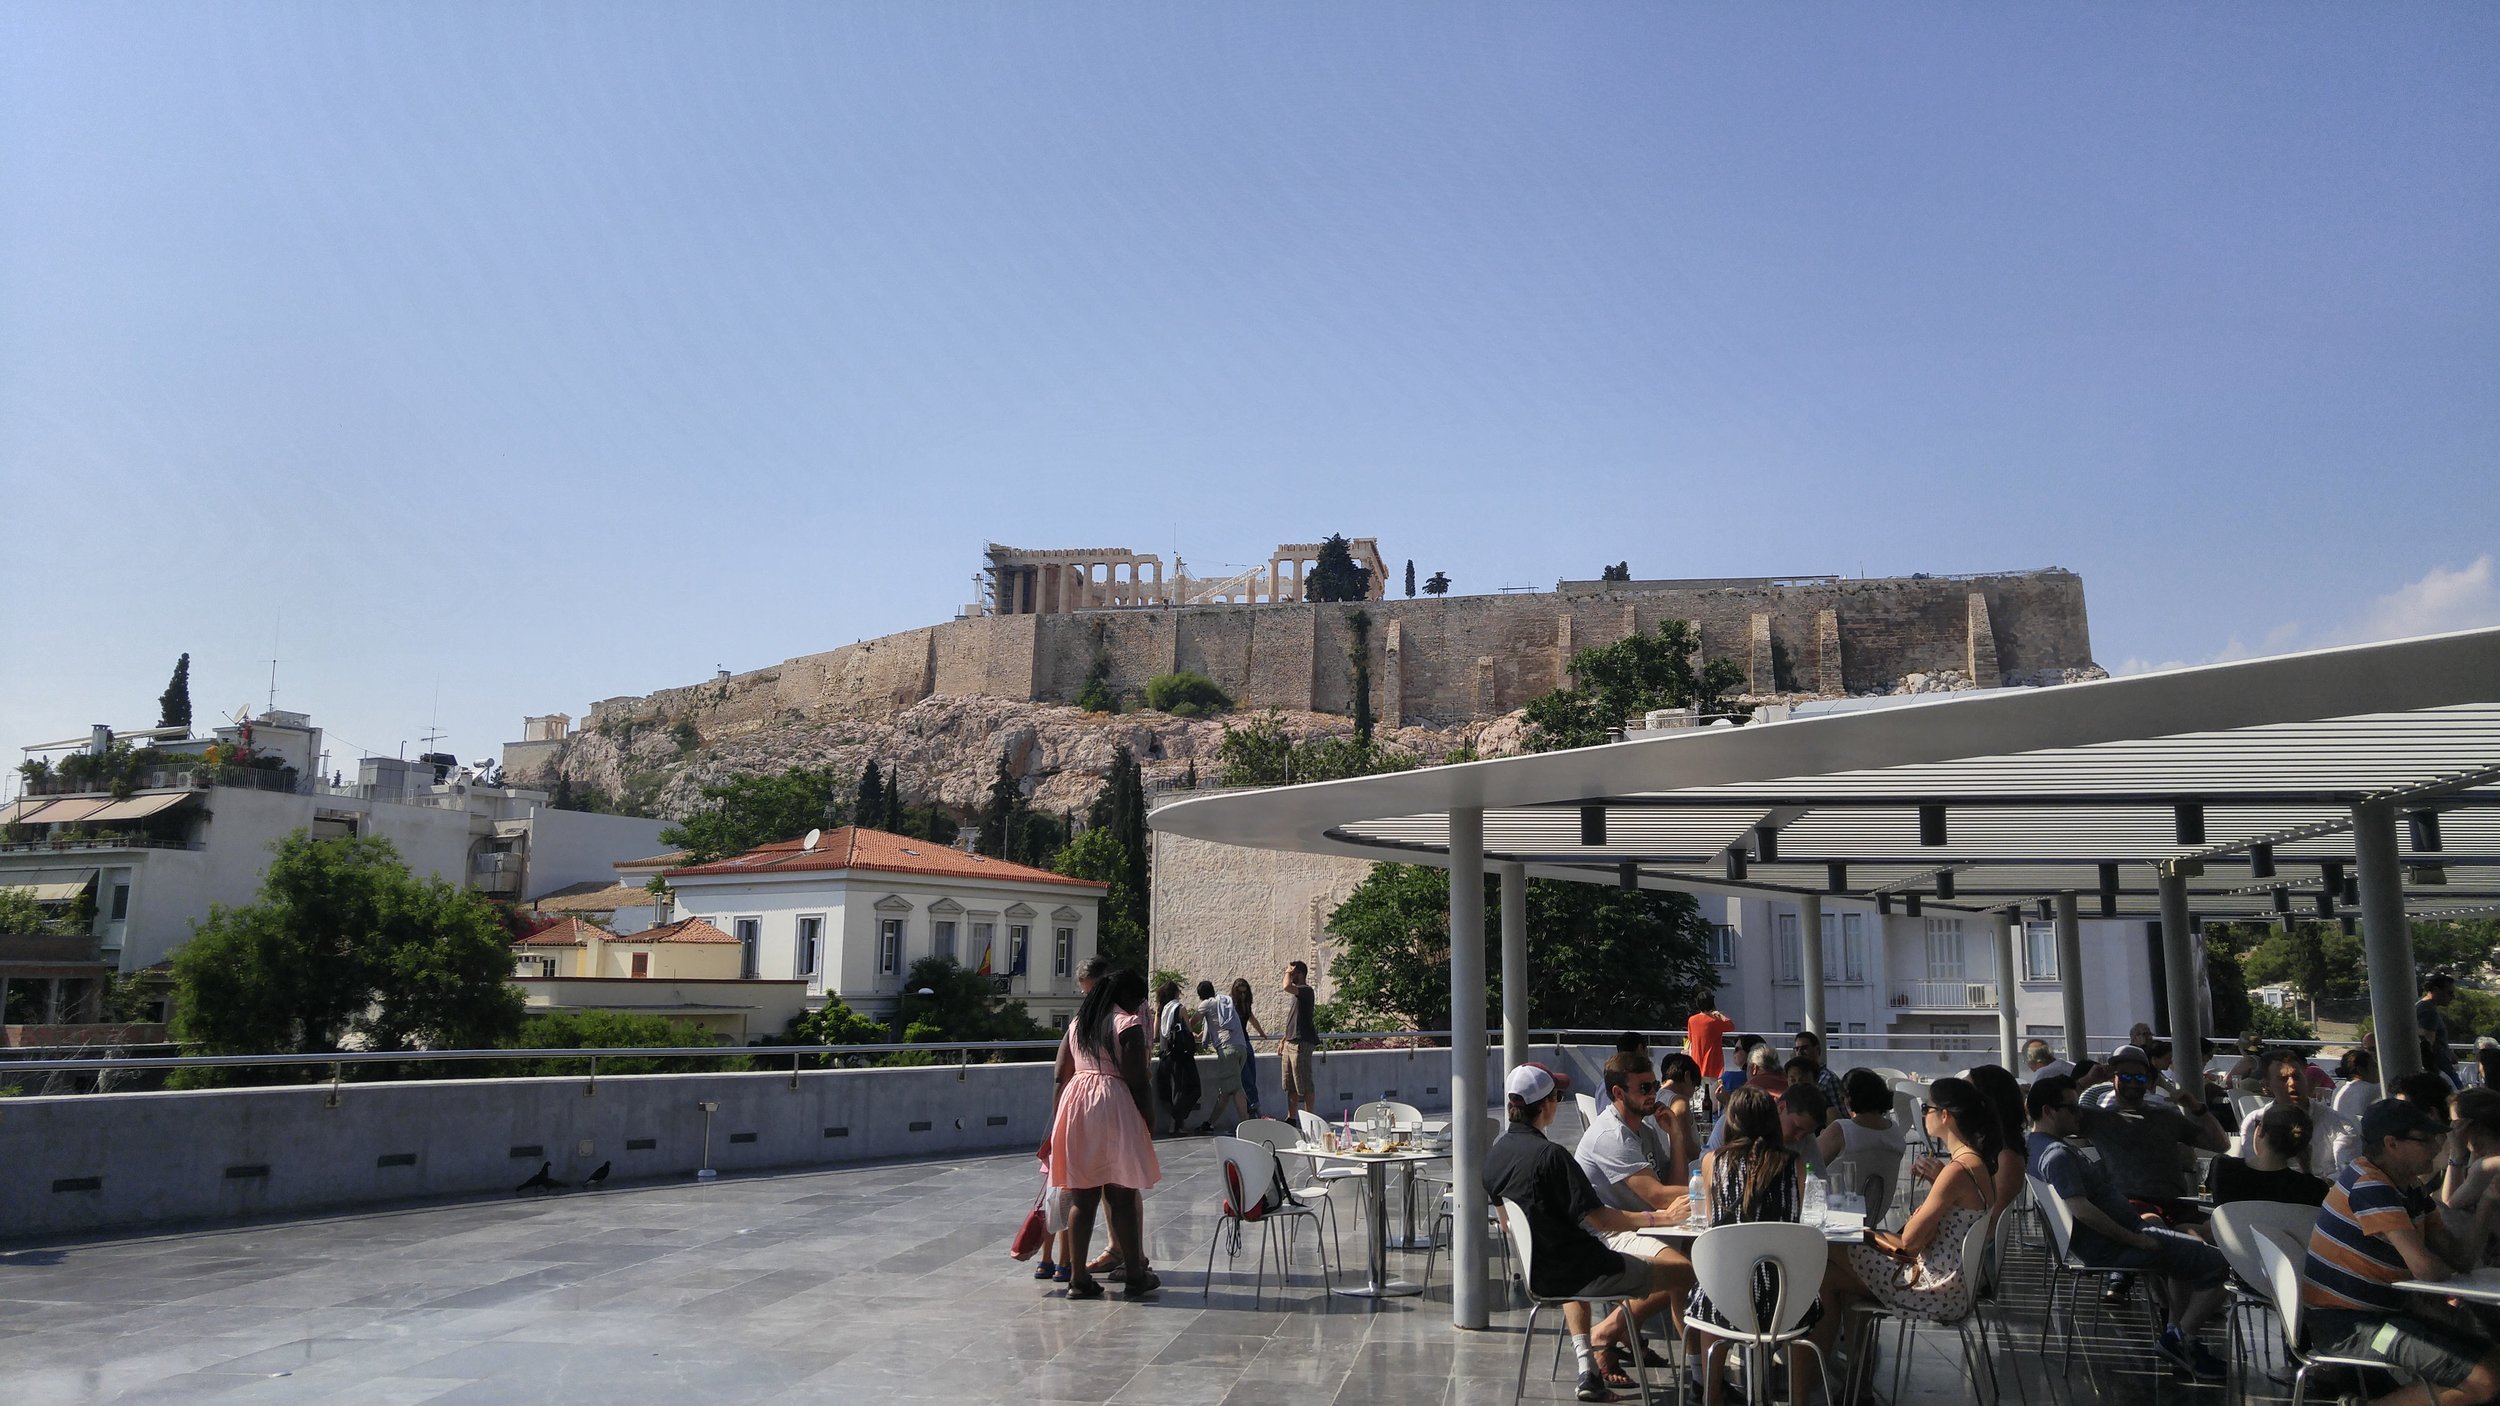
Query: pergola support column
[(2178, 954), (1514, 967), (1468, 1095), (2009, 1019), (2386, 942), (2070, 974), (1810, 962)]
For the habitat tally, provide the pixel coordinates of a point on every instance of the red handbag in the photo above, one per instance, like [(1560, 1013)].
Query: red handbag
[(1033, 1234)]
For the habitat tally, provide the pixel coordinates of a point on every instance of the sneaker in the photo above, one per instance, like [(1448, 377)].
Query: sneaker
[(2117, 1289), (1047, 1271), (2174, 1345), (2204, 1365), (1593, 1387)]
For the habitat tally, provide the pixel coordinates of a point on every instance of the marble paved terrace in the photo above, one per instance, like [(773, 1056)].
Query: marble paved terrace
[(886, 1283)]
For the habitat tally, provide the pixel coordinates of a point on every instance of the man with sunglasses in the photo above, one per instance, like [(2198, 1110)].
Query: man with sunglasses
[(2111, 1233), (2140, 1142), (2380, 1226), (1628, 1165)]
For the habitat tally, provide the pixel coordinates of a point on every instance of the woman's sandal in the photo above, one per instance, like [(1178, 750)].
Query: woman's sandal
[(1142, 1283), (1086, 1289)]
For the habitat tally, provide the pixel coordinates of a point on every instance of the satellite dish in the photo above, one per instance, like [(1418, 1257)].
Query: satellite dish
[(809, 844)]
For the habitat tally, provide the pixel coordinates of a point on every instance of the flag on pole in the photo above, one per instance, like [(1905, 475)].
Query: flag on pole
[(985, 956)]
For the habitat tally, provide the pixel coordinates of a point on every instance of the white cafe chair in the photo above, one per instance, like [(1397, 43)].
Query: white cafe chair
[(1249, 1170), (1724, 1259), (1523, 1254)]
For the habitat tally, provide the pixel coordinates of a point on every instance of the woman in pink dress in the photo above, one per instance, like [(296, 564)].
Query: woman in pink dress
[(1102, 1130)]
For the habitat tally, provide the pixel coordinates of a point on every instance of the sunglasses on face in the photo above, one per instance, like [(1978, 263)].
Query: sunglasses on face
[(2134, 1079), (1644, 1088)]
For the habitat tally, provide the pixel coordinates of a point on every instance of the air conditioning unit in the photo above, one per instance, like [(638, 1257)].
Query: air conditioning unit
[(1978, 996)]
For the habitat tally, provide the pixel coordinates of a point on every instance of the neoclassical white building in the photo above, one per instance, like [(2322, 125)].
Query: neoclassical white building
[(851, 913)]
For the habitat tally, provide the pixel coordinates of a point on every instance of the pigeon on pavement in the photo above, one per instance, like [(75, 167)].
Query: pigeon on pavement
[(543, 1181)]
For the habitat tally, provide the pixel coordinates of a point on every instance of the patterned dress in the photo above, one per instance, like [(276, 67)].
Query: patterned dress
[(1933, 1286), (1782, 1198)]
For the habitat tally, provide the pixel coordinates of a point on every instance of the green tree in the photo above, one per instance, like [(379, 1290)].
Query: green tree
[(1438, 585), (2226, 986), (869, 809), (1597, 955), (22, 916), (965, 1006), (173, 706), (1260, 752), (1335, 577), (891, 812), (1186, 695), (2315, 959), (1096, 855), (1620, 571), (1618, 681), (998, 817), (1410, 578), (609, 1030), (745, 811), (345, 942)]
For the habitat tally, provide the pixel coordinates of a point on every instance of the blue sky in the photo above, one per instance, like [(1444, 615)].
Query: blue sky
[(518, 356)]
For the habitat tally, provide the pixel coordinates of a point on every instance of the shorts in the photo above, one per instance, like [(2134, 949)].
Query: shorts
[(2437, 1355), (2172, 1255), (1637, 1246), (1633, 1279), (1295, 1057), (1223, 1079)]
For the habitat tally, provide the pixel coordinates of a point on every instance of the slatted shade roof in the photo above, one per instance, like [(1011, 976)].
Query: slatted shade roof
[(2033, 791)]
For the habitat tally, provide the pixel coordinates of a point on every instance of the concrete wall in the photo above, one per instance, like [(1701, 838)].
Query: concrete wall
[(1220, 911), (576, 847), (253, 1152)]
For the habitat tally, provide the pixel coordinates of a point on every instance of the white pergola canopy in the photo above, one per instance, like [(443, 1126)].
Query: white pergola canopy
[(2038, 790), (2306, 784)]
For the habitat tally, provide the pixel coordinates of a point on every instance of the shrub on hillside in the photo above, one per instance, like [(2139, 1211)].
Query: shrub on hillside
[(1186, 695)]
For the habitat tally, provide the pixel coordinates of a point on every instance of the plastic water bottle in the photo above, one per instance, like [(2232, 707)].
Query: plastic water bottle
[(1697, 1212), (1817, 1200)]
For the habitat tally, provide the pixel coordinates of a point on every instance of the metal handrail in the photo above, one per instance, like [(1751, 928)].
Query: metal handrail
[(963, 1049)]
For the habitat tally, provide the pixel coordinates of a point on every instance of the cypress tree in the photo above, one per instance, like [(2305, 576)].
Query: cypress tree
[(173, 706), (871, 807)]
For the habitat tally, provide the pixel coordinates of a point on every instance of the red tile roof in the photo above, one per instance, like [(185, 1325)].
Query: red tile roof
[(854, 848), (563, 932), (683, 930)]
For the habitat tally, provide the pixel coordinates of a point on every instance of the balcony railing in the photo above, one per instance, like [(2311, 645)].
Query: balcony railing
[(167, 778), (1945, 995)]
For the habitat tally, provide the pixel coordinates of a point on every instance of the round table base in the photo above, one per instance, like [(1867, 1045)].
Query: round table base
[(1394, 1289)]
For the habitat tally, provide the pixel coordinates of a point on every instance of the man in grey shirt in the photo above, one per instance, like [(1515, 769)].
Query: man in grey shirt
[(2141, 1145)]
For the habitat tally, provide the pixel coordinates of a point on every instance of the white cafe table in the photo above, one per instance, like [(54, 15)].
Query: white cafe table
[(2481, 1286), (1375, 1167), (1842, 1228)]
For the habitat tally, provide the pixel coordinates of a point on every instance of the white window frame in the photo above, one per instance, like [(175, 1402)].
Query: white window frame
[(807, 948), (749, 930), (1019, 941), (1791, 969), (1947, 960), (984, 936), (1844, 948), (942, 938), (2039, 951), (1063, 951), (1722, 945), (889, 946)]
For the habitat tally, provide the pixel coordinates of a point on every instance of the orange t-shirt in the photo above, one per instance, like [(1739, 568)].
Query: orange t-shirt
[(1705, 1039)]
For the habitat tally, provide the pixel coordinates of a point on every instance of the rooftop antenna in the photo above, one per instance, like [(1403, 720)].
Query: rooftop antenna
[(276, 618)]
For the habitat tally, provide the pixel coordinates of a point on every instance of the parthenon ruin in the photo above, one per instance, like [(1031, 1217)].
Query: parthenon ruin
[(1016, 581)]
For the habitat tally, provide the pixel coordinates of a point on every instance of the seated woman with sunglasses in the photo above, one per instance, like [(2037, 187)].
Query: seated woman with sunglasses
[(1919, 1272)]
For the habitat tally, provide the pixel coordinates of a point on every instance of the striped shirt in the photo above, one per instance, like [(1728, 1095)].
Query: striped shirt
[(2351, 1265)]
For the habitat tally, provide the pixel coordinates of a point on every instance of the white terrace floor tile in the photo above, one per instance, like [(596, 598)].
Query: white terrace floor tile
[(878, 1283)]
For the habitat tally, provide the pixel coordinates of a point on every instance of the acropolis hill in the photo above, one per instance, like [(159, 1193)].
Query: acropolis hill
[(1444, 664)]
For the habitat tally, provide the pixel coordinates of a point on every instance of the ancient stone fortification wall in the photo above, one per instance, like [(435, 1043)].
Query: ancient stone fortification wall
[(1433, 661)]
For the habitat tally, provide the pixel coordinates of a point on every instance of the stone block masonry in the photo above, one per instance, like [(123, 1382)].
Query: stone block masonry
[(1435, 661)]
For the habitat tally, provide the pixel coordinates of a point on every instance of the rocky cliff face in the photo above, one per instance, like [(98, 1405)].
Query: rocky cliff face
[(946, 748)]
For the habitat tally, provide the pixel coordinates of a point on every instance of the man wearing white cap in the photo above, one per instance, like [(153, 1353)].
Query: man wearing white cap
[(1566, 1219)]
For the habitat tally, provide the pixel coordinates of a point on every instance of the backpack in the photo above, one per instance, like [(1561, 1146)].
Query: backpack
[(1179, 1041)]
